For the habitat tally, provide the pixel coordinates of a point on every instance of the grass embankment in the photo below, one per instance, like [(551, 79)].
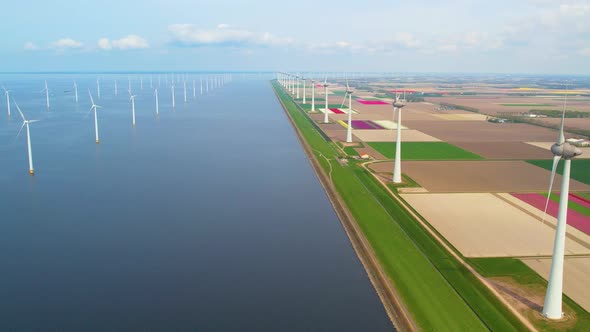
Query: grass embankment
[(440, 293), (424, 151), (578, 172), (532, 282)]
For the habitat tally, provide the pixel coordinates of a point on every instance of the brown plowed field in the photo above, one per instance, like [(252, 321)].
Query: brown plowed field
[(478, 176), (505, 150)]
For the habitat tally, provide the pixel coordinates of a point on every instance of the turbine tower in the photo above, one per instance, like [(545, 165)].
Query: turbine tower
[(349, 129), (115, 87), (312, 95), (7, 93), (397, 165), (94, 107), (184, 89), (30, 152), (76, 92), (173, 101), (304, 83), (46, 90), (297, 80), (566, 151), (98, 88), (132, 98), (157, 103), (326, 110)]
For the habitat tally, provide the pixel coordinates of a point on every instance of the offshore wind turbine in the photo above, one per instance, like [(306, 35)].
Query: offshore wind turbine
[(172, 89), (201, 79), (194, 90), (29, 151), (140, 83), (46, 90), (98, 88), (349, 129), (94, 107), (184, 89), (132, 98), (157, 102), (76, 92), (397, 166), (7, 94), (116, 88), (326, 110), (561, 150)]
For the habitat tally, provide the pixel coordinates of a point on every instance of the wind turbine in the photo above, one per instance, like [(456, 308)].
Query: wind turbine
[(7, 93), (46, 90), (129, 86), (194, 90), (98, 88), (157, 103), (115, 87), (349, 129), (76, 91), (297, 80), (304, 83), (201, 79), (566, 151), (397, 166), (184, 89), (132, 98), (172, 89), (313, 95), (326, 110), (94, 107), (140, 83), (30, 152)]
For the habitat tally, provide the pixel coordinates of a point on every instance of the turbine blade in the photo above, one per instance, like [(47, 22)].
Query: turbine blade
[(20, 112), (19, 131), (556, 160), (91, 99)]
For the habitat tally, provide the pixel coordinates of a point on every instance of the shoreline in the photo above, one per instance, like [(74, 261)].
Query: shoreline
[(394, 307)]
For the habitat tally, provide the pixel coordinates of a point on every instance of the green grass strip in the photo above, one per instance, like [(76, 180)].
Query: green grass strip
[(580, 168)]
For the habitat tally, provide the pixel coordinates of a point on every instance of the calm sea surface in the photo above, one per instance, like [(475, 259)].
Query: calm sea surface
[(206, 218)]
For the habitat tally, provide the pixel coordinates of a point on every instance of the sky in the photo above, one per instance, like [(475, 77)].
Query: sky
[(466, 36)]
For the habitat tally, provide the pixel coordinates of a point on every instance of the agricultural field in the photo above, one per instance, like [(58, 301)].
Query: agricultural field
[(424, 151), (579, 171)]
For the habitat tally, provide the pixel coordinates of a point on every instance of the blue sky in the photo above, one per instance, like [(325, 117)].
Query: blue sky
[(526, 36)]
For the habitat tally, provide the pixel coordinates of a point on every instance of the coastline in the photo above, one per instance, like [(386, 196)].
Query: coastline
[(394, 307)]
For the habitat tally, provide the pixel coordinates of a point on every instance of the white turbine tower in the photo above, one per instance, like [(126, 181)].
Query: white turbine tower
[(98, 88), (94, 107), (201, 79), (157, 102), (194, 90), (566, 151), (304, 83), (132, 98), (397, 165), (349, 129), (116, 88), (313, 95), (7, 94), (140, 83), (46, 90), (76, 92), (297, 80), (30, 152), (326, 110), (184, 89), (173, 101)]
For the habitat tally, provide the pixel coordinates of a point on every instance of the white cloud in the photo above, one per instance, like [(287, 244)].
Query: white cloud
[(30, 46), (65, 43), (224, 34), (126, 43), (585, 51)]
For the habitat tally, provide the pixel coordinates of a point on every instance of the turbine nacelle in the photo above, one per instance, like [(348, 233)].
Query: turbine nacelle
[(565, 150)]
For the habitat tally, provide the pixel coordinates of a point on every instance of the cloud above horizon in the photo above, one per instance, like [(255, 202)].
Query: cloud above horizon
[(129, 42), (189, 35)]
